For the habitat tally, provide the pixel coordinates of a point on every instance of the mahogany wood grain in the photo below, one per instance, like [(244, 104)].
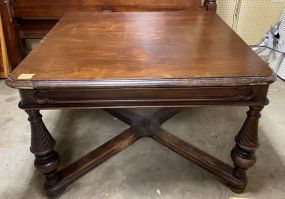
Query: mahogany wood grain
[(125, 60), (57, 9), (111, 47), (40, 16)]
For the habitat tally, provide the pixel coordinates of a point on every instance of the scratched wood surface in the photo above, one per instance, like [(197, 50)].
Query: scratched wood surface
[(128, 46)]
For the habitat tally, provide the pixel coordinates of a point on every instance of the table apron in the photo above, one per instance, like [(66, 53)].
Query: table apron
[(144, 97)]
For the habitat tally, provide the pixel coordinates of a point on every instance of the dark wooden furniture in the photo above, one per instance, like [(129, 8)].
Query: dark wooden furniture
[(4, 65), (33, 19), (117, 60)]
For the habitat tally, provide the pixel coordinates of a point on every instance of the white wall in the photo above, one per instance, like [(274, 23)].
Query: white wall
[(254, 19)]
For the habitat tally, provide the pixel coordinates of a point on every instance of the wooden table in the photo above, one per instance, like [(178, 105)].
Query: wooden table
[(149, 59)]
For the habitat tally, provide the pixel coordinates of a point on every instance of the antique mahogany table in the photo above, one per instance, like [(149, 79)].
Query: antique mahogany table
[(148, 59)]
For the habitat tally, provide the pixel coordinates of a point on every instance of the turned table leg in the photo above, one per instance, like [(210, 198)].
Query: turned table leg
[(243, 154), (46, 158)]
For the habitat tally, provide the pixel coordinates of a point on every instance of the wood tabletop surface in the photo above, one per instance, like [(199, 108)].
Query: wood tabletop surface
[(144, 47)]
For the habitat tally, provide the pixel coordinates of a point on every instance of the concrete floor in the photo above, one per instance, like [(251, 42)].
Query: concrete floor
[(145, 169)]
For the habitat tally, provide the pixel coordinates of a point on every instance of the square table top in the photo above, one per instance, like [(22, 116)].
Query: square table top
[(140, 49)]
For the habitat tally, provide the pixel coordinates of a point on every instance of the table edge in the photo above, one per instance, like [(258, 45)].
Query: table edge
[(138, 83)]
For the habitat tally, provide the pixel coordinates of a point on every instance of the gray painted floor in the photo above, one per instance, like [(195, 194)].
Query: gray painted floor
[(145, 169)]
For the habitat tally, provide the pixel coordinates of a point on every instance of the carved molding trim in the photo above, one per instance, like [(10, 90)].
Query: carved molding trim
[(53, 97), (43, 97)]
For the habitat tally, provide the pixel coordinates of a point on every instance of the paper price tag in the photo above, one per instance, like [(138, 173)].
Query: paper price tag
[(26, 76)]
